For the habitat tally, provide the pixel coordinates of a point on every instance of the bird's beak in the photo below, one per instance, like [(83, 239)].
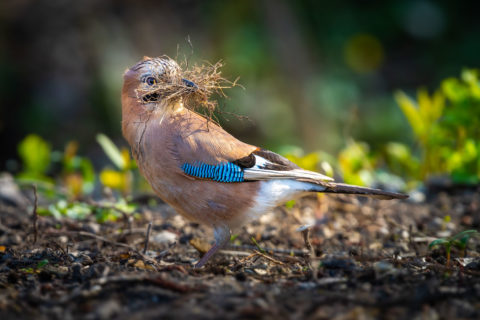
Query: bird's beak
[(190, 84)]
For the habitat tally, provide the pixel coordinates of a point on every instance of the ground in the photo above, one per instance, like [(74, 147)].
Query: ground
[(368, 259)]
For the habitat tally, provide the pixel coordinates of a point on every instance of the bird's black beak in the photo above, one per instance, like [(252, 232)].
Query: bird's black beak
[(190, 84)]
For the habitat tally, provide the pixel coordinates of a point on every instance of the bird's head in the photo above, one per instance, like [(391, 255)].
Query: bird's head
[(152, 84), (160, 85), (156, 80)]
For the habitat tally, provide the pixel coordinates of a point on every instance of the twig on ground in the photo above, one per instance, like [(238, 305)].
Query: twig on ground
[(155, 280), (247, 258), (234, 253), (98, 285), (311, 252), (59, 247), (269, 258), (103, 239), (147, 237), (306, 238), (288, 252), (35, 214), (257, 253)]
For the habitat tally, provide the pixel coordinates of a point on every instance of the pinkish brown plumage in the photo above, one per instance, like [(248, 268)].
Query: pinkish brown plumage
[(203, 172)]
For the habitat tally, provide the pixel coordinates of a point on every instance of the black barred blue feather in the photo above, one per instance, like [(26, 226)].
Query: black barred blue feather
[(225, 172)]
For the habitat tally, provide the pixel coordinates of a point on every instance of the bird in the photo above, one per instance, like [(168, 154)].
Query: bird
[(207, 175)]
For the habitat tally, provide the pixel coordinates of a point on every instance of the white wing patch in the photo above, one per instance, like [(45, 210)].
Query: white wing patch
[(260, 162), (260, 171)]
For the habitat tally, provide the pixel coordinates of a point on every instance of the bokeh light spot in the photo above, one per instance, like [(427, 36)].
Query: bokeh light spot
[(424, 19), (363, 53)]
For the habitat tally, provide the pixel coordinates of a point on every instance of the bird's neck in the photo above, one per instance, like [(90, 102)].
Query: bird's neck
[(136, 115)]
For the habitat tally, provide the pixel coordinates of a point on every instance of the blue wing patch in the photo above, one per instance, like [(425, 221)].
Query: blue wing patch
[(225, 172)]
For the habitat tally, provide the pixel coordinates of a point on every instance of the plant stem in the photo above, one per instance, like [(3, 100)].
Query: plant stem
[(147, 237), (448, 255), (35, 214)]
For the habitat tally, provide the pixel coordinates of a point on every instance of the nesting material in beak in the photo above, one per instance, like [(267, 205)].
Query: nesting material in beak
[(193, 85), (190, 84)]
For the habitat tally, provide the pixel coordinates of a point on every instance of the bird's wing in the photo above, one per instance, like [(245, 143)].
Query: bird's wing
[(206, 151), (203, 149), (212, 153)]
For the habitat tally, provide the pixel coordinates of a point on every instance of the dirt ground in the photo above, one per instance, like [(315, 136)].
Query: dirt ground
[(369, 259)]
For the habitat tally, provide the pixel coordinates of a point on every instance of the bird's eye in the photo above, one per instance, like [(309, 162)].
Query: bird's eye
[(150, 81)]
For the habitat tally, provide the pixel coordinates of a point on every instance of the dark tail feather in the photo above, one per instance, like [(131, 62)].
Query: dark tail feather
[(333, 187)]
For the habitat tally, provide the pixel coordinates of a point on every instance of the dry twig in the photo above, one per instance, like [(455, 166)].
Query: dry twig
[(103, 239), (268, 257), (311, 252), (247, 258), (206, 80), (35, 214), (147, 237)]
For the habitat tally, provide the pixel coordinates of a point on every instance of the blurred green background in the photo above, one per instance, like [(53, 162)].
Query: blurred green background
[(316, 73)]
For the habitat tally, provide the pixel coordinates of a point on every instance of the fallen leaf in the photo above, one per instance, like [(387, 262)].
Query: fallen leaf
[(201, 245), (139, 264)]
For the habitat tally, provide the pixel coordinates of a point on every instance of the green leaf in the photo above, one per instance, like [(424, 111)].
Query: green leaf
[(111, 151), (465, 233), (88, 174), (460, 240), (454, 90), (438, 242), (78, 210), (356, 163), (471, 78), (27, 270), (35, 154), (110, 210), (437, 106), (430, 108), (424, 104), (411, 112), (401, 161), (289, 204), (258, 246), (42, 263)]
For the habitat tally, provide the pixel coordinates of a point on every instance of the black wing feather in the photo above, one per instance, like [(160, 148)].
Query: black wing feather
[(278, 162)]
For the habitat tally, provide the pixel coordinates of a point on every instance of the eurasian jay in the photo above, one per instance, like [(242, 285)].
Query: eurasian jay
[(203, 172)]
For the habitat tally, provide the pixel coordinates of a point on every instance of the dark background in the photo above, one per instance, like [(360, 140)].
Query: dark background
[(315, 72)]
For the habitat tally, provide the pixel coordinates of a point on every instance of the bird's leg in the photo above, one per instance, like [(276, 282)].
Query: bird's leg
[(222, 236)]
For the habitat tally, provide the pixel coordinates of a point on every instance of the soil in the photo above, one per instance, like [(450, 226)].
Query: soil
[(362, 259)]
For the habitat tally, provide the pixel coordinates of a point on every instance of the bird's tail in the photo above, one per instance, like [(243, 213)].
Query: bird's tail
[(266, 170), (335, 187)]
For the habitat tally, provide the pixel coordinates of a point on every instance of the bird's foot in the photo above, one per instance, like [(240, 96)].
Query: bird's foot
[(207, 255), (222, 236)]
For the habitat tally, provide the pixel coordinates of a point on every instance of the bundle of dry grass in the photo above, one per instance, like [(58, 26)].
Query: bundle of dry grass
[(194, 85)]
